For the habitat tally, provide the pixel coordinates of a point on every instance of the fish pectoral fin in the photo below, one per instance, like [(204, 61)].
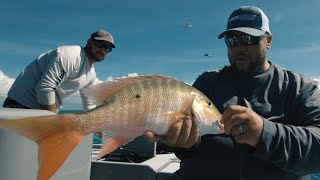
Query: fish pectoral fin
[(176, 115), (54, 150), (111, 143)]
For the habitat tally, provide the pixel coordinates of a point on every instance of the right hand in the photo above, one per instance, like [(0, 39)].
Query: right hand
[(182, 134)]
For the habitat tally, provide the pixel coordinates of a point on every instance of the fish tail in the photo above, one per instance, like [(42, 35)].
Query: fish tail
[(55, 135)]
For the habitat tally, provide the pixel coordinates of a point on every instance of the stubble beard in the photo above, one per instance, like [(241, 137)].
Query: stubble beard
[(252, 67)]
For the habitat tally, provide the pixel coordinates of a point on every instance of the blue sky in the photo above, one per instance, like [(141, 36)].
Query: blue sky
[(150, 35)]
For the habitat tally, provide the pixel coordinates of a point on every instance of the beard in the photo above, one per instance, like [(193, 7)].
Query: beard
[(95, 56), (248, 66)]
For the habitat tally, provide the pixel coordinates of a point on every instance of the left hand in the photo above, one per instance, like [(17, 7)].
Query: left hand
[(252, 123), (183, 133)]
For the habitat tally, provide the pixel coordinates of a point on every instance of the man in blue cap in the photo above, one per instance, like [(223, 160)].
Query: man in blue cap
[(271, 115), (58, 73)]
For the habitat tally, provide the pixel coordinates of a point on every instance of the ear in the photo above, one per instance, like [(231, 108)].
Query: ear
[(269, 39), (89, 42)]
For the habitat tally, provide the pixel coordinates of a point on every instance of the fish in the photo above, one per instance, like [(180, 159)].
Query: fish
[(127, 108)]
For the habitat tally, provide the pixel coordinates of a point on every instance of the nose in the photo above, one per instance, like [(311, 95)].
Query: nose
[(241, 45)]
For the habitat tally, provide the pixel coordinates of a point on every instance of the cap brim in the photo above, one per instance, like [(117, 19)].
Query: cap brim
[(104, 39), (250, 31)]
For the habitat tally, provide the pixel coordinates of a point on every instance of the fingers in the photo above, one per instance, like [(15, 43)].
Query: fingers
[(232, 125), (188, 135), (174, 131), (243, 124), (239, 129), (193, 136), (231, 110), (151, 137), (182, 134)]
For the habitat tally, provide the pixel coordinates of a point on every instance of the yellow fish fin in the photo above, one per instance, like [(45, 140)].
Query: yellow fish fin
[(112, 143), (98, 93), (55, 136)]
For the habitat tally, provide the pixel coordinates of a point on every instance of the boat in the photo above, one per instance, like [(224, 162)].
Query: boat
[(138, 159)]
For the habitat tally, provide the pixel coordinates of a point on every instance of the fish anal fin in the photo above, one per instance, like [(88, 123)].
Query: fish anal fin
[(112, 143), (54, 150)]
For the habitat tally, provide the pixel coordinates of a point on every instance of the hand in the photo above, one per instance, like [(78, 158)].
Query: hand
[(252, 124), (183, 133), (51, 107)]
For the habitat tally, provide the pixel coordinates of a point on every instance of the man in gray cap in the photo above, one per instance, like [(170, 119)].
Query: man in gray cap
[(271, 116), (58, 73)]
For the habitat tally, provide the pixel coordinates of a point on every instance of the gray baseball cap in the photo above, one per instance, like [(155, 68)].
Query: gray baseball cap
[(103, 35), (247, 19)]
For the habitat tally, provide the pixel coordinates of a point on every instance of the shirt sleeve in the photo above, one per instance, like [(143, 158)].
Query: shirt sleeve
[(57, 70), (294, 147)]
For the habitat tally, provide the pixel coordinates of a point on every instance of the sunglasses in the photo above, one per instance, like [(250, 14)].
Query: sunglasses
[(102, 44), (246, 40)]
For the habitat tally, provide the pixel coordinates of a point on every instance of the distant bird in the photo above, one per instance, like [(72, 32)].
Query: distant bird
[(130, 107), (188, 24)]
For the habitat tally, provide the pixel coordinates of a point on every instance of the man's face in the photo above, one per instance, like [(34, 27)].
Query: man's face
[(247, 53), (100, 49)]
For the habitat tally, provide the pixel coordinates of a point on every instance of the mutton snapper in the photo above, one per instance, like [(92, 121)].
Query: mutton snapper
[(129, 107)]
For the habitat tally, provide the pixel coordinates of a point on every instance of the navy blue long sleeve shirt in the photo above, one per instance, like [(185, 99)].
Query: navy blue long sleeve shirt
[(289, 147)]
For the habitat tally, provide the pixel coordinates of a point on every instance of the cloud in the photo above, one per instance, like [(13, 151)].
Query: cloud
[(5, 84), (110, 78), (318, 81)]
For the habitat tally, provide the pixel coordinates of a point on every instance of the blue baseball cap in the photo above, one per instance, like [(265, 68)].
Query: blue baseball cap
[(247, 19)]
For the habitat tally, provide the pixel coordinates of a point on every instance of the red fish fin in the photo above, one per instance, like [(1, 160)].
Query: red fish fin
[(55, 136), (112, 143), (98, 93), (176, 115)]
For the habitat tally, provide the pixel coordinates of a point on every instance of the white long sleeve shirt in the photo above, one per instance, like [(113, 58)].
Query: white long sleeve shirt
[(54, 76)]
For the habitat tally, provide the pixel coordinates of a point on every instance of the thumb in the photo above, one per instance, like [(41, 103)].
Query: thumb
[(151, 137)]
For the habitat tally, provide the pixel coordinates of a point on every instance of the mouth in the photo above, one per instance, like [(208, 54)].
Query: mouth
[(241, 58), (99, 55)]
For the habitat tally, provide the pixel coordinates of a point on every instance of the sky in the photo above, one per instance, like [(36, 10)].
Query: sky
[(151, 36)]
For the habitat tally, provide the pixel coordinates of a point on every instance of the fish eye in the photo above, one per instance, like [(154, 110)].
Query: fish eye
[(209, 103)]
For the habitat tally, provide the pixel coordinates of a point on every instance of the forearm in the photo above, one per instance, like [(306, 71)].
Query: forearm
[(294, 149)]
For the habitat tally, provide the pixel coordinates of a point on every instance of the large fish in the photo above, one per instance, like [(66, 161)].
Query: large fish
[(129, 107)]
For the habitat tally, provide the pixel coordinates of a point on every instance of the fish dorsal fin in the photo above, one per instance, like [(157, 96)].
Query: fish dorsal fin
[(98, 93)]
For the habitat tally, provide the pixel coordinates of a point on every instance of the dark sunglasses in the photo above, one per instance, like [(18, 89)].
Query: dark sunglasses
[(247, 40), (102, 44)]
